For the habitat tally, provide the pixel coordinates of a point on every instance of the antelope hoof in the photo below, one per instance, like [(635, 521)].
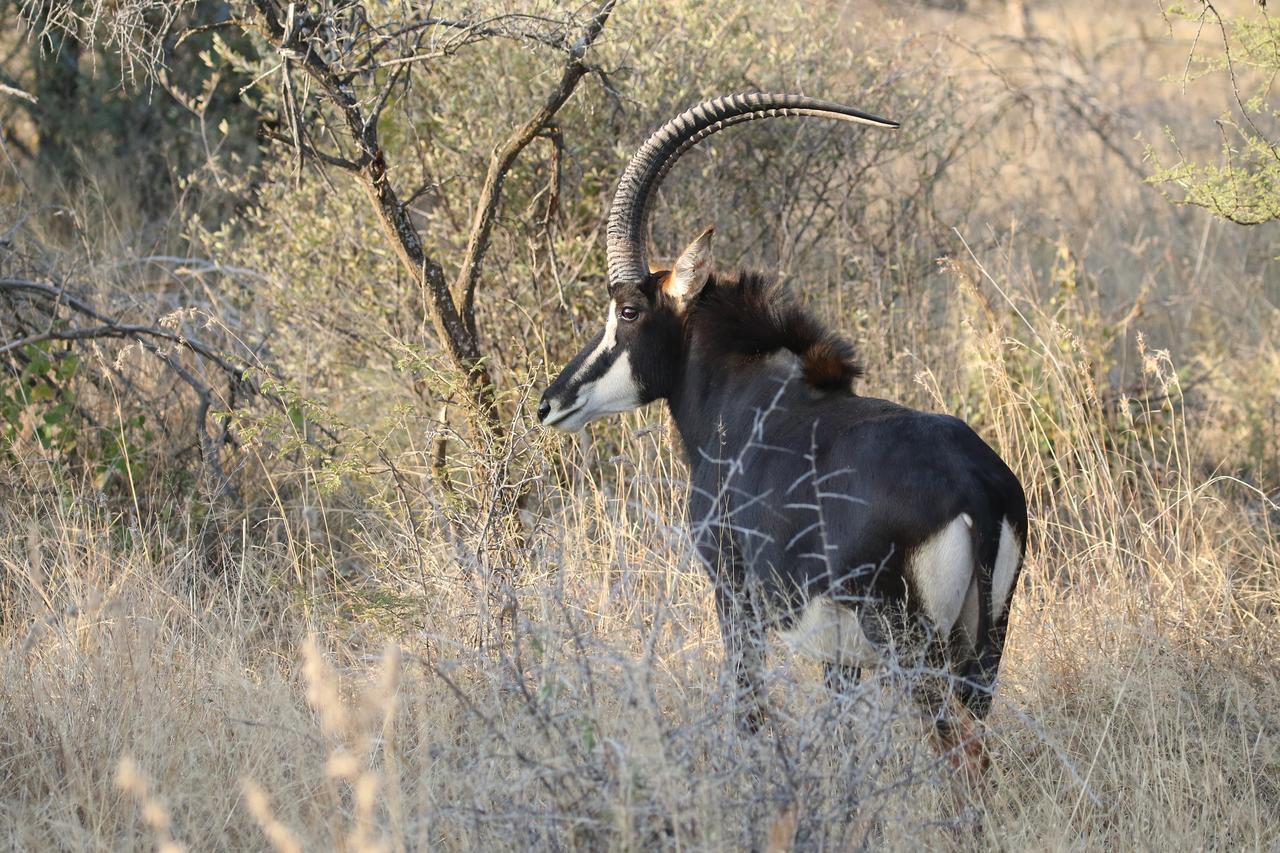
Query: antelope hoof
[(752, 719), (965, 749)]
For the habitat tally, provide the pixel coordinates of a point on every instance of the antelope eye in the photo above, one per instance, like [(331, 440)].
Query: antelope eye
[(629, 313)]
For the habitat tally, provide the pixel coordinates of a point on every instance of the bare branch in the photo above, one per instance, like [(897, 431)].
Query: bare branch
[(187, 33), (372, 172), (464, 33), (298, 41), (312, 152), (61, 296), (142, 334), (15, 92), (145, 336), (84, 333)]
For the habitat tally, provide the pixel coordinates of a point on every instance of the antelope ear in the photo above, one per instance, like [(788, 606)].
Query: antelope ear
[(691, 271)]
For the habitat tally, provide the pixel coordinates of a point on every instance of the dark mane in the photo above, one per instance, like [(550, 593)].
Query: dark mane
[(754, 315)]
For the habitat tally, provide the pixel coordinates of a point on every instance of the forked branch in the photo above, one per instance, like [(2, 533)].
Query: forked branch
[(297, 39)]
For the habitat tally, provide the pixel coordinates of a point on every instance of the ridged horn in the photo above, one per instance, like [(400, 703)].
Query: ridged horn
[(628, 262)]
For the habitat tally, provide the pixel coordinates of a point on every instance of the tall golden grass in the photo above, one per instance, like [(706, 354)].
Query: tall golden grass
[(317, 672), (576, 701)]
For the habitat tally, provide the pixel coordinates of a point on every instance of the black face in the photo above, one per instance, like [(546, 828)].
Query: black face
[(634, 360)]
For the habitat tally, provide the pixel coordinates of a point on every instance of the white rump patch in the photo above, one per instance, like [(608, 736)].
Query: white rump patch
[(830, 632), (969, 614), (1007, 558), (941, 571)]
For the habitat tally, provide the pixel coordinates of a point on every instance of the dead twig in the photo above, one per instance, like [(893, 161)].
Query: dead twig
[(15, 92), (146, 336)]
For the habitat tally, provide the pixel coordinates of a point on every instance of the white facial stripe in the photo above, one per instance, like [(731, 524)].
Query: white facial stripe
[(610, 327), (607, 342)]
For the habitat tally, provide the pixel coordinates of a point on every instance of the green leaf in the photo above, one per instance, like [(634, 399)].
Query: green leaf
[(57, 414), (38, 364), (67, 367)]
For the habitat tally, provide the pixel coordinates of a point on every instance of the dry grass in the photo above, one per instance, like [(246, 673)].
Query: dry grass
[(377, 669), (1137, 699)]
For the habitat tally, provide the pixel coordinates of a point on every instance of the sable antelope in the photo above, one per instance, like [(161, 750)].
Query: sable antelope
[(855, 526)]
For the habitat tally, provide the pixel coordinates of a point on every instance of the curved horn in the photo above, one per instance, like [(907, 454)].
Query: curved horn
[(630, 212)]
